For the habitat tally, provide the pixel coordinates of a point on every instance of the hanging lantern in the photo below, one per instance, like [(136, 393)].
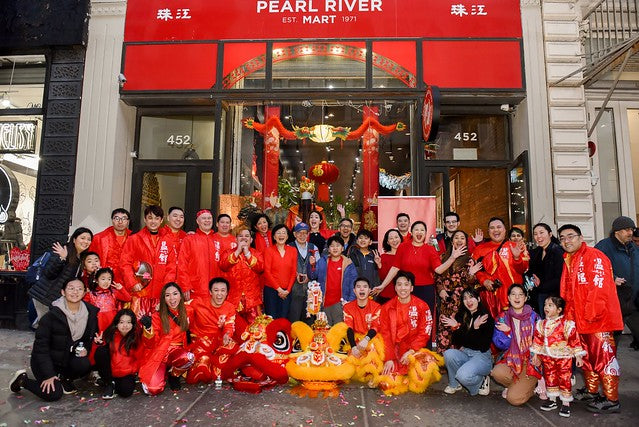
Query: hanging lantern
[(323, 174)]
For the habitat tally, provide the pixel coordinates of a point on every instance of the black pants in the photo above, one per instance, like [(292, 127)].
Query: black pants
[(124, 386), (77, 367), (297, 309)]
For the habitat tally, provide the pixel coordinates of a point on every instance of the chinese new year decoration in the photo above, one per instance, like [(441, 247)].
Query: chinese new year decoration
[(323, 174)]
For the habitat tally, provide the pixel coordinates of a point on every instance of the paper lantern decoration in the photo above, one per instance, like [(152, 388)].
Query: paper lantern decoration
[(323, 173)]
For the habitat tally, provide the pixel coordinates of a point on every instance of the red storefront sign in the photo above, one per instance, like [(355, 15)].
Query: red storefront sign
[(179, 20), (172, 44)]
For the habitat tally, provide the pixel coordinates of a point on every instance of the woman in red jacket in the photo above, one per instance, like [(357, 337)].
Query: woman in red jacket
[(280, 271), (421, 259), (392, 240), (165, 338), (120, 353), (261, 228)]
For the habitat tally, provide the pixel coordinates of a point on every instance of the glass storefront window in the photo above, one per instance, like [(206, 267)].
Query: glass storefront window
[(176, 137), (21, 88), (296, 158), (22, 81), (319, 65), (470, 138), (608, 167)]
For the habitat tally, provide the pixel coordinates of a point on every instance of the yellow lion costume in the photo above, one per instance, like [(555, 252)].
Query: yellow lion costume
[(423, 370), (318, 360)]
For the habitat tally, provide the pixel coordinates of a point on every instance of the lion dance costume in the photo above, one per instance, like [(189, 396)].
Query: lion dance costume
[(321, 364)]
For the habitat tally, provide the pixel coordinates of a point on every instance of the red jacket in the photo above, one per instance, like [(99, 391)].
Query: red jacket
[(404, 327), (212, 323), (139, 248), (106, 245), (125, 363), (158, 344), (263, 242), (280, 271), (588, 286), (196, 263), (361, 320), (502, 266), (244, 278), (176, 239), (223, 244)]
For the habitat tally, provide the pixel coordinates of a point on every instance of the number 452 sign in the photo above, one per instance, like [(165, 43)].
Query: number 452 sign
[(179, 140)]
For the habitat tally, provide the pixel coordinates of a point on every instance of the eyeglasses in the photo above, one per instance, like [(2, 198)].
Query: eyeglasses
[(568, 237), (120, 218)]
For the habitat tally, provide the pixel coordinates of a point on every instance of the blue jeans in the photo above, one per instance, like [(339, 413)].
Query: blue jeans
[(467, 367)]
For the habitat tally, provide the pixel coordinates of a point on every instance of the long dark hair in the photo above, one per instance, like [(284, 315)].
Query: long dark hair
[(73, 257), (183, 320), (132, 339), (466, 314), (460, 262)]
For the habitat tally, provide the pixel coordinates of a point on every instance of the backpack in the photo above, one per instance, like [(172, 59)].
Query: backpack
[(34, 272)]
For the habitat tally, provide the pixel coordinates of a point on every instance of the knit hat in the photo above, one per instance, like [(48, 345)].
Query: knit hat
[(622, 222)]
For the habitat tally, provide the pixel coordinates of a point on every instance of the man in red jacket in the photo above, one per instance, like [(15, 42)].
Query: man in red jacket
[(196, 259), (243, 266), (174, 224), (109, 242), (153, 246), (588, 286), (224, 240), (503, 265), (212, 328)]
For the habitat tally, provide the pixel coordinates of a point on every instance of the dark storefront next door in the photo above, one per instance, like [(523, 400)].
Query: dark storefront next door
[(184, 184)]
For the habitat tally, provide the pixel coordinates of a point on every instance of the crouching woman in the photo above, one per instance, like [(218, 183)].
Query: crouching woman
[(166, 339)]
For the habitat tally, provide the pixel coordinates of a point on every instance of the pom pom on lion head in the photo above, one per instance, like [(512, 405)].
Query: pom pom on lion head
[(320, 362), (260, 360)]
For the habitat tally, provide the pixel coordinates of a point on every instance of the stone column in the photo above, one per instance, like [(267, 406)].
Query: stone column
[(567, 116), (534, 123), (107, 125)]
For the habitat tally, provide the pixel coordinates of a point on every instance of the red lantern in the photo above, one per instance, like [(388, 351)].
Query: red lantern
[(323, 173)]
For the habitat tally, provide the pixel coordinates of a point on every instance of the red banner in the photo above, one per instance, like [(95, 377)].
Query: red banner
[(418, 208), (182, 20)]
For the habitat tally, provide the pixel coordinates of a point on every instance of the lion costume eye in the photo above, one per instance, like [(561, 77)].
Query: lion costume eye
[(281, 343)]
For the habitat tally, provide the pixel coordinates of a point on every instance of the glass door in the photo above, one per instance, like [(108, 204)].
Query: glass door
[(187, 186)]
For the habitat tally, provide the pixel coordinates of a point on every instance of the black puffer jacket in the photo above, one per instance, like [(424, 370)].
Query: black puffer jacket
[(53, 345), (54, 274)]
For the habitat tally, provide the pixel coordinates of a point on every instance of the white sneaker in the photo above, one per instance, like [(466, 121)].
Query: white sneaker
[(452, 390), (504, 393), (484, 390)]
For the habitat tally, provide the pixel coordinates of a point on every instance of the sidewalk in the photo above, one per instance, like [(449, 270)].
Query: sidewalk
[(356, 406)]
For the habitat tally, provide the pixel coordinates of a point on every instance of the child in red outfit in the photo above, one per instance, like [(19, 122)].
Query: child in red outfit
[(107, 295), (120, 353), (90, 264), (555, 343)]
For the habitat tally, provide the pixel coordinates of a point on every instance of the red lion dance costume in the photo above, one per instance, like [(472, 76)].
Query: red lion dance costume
[(260, 359)]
